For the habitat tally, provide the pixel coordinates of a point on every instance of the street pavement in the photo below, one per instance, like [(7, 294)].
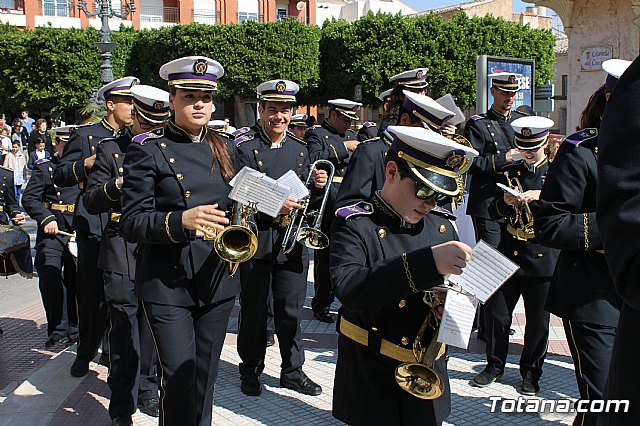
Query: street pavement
[(36, 388)]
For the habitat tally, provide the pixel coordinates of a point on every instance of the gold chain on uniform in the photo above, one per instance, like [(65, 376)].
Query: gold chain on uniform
[(586, 233), (408, 273)]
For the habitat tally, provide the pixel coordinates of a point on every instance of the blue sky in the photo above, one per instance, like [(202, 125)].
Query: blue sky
[(420, 5)]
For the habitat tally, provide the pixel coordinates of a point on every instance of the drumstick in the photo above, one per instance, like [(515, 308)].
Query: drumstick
[(66, 234)]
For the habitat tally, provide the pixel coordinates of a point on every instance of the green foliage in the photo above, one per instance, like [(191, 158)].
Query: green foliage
[(55, 69), (376, 47)]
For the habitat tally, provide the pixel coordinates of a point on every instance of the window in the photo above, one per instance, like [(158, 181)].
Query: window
[(247, 16), (55, 7), (564, 89), (281, 13), (204, 16)]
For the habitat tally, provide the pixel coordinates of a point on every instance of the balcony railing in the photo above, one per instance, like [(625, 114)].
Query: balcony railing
[(12, 6), (159, 14), (62, 8), (204, 16)]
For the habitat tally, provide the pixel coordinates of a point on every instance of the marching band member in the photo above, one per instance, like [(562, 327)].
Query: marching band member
[(386, 252), (174, 196), (268, 148)]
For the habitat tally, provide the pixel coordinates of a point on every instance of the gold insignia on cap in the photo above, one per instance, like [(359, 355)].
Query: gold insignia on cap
[(419, 74), (158, 104), (512, 79), (526, 132), (382, 232), (281, 86), (442, 229), (454, 160), (200, 67)]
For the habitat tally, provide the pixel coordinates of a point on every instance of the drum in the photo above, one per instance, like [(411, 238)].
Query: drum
[(15, 251)]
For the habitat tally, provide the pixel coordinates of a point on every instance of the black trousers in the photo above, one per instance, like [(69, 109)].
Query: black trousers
[(498, 313), (288, 281), (92, 309), (57, 282), (132, 357), (591, 346), (624, 373), (270, 322), (189, 341), (323, 297)]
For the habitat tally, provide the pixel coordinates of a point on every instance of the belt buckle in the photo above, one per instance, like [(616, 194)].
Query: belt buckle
[(71, 208)]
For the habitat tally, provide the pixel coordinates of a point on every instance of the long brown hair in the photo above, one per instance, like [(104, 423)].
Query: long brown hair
[(219, 149), (591, 116)]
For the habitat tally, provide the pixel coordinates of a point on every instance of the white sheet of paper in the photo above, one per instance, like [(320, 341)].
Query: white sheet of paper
[(457, 319), (252, 186), (242, 171), (291, 179), (507, 189), (487, 270), (448, 102)]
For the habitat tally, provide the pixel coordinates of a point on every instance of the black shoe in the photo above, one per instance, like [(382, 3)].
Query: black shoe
[(80, 368), (69, 341), (485, 378), (150, 407), (323, 315), (104, 359), (511, 332), (122, 421), (53, 340), (270, 338), (251, 385), (529, 386), (303, 385)]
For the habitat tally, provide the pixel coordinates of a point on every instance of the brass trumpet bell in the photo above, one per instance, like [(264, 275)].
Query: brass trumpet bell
[(313, 238), (236, 244), (419, 380)]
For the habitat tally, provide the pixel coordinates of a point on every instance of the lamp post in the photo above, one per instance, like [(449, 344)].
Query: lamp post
[(105, 11)]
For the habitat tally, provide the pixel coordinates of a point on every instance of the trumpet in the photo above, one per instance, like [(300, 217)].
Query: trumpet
[(419, 378), (522, 226), (305, 226), (237, 242)]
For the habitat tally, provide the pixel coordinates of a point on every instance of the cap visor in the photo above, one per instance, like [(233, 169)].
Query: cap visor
[(351, 115), (443, 184)]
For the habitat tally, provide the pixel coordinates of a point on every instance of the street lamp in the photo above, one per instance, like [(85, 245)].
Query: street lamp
[(105, 11)]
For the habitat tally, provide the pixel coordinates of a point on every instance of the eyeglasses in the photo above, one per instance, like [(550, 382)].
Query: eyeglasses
[(425, 193)]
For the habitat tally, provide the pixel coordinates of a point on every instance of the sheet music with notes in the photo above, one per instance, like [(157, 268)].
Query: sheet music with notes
[(457, 320), (298, 188), (251, 186), (487, 270), (448, 102)]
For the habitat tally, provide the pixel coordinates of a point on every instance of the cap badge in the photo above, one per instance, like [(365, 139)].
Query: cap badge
[(158, 105), (526, 132), (512, 79), (200, 67), (454, 160), (281, 86), (419, 74)]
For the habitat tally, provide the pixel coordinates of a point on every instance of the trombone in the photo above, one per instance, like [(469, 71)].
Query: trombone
[(305, 226), (237, 242)]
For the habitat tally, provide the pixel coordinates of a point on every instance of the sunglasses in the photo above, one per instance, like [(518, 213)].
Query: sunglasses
[(425, 193)]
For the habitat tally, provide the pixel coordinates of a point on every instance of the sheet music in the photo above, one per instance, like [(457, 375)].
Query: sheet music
[(457, 319), (298, 189), (507, 189), (242, 171), (487, 270), (448, 102), (252, 186)]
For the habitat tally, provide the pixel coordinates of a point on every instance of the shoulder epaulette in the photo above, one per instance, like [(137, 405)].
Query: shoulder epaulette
[(583, 135), (42, 160), (368, 141), (476, 117), (442, 212), (239, 132), (225, 134), (317, 126), (292, 136), (141, 139), (361, 208), (368, 124), (106, 140), (244, 138)]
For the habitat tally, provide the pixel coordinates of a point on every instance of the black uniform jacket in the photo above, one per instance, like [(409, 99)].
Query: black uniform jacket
[(40, 193), (103, 196), (581, 289), (369, 277), (492, 136), (365, 174), (325, 143), (71, 171), (254, 150), (534, 259), (368, 131), (8, 201), (165, 173)]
